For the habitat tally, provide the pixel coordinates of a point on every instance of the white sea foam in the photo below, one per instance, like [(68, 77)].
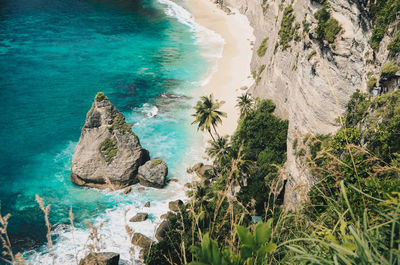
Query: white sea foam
[(149, 110), (211, 44)]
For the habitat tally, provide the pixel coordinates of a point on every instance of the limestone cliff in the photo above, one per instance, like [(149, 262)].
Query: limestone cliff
[(309, 79), (107, 148)]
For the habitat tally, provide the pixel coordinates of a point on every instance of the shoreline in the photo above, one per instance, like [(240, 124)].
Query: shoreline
[(233, 68)]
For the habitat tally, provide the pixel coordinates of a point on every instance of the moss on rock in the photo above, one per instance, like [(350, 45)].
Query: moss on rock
[(119, 124), (109, 149), (100, 97), (155, 162)]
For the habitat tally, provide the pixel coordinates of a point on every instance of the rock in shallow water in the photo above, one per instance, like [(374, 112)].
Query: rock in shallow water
[(162, 229), (141, 240), (102, 258), (153, 173), (175, 205), (127, 190), (140, 217), (107, 149)]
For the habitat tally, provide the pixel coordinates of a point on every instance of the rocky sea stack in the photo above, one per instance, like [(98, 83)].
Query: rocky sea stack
[(107, 149)]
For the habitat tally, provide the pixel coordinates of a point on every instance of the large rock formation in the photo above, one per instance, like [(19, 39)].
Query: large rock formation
[(107, 149), (311, 80), (153, 173)]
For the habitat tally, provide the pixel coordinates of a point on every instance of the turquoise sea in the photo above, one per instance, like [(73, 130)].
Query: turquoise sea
[(54, 57)]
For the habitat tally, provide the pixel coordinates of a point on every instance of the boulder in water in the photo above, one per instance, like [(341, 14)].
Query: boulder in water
[(140, 217), (141, 240), (108, 151), (127, 190), (162, 229), (153, 173), (101, 258), (175, 205), (167, 215)]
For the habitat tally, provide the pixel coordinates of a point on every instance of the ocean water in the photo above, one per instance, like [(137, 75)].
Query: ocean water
[(54, 57)]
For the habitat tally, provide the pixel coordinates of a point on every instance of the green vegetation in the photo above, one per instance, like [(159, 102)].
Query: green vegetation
[(119, 123), (207, 114), (263, 48), (287, 31), (354, 212), (306, 25), (394, 45), (328, 27), (245, 104), (109, 149), (257, 75), (389, 69), (100, 97), (211, 218), (155, 162), (382, 13), (371, 83), (312, 53), (276, 47), (265, 7), (90, 111), (253, 247)]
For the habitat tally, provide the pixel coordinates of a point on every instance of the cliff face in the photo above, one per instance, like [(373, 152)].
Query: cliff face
[(310, 80), (107, 148)]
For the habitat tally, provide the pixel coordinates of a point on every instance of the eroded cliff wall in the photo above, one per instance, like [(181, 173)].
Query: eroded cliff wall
[(311, 80)]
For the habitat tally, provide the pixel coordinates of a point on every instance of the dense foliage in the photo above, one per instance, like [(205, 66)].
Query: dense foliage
[(245, 162), (354, 212), (287, 30), (394, 45), (382, 12), (328, 27)]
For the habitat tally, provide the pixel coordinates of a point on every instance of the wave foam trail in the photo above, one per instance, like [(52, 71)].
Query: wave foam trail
[(149, 110), (211, 42)]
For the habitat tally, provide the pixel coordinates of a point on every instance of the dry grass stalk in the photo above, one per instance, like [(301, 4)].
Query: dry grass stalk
[(181, 232), (229, 180), (71, 220), (95, 238), (46, 211), (16, 259)]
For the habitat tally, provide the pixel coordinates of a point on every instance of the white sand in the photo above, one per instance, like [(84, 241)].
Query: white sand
[(234, 65)]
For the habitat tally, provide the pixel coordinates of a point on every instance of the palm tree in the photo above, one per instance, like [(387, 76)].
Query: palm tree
[(245, 104), (207, 114), (220, 150)]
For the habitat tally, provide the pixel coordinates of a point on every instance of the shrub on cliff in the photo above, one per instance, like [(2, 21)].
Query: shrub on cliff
[(389, 69), (328, 27), (263, 47), (287, 31), (382, 13), (394, 45), (100, 97)]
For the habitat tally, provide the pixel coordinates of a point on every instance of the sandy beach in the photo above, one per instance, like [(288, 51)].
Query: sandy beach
[(233, 71)]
